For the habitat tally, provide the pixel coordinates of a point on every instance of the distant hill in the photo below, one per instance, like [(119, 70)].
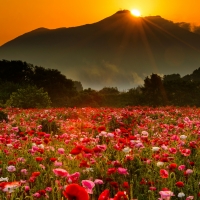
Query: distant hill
[(118, 51)]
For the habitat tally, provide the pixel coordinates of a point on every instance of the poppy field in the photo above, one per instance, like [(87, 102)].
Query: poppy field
[(132, 153)]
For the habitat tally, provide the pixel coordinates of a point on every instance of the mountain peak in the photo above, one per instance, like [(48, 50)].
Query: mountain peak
[(118, 51), (123, 11)]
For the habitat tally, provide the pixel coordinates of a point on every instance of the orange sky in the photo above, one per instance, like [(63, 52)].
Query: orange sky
[(21, 16)]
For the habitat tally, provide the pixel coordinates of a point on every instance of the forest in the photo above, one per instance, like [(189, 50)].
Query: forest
[(24, 85)]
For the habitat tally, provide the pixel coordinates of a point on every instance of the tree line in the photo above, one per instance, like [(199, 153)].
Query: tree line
[(27, 86)]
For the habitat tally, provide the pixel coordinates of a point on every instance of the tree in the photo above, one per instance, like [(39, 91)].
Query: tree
[(59, 88), (78, 86), (15, 71), (6, 89), (154, 93), (29, 97), (109, 91), (171, 77)]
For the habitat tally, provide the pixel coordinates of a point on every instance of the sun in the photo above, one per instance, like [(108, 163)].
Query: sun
[(135, 12)]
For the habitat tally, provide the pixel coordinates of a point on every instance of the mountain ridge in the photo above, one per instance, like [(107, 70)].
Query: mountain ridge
[(118, 51)]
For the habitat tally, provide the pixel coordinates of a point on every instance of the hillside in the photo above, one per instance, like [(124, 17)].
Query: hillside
[(119, 51)]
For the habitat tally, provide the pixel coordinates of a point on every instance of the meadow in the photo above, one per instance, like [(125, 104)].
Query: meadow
[(132, 153)]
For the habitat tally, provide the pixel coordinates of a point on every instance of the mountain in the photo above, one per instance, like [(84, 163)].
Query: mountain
[(118, 51)]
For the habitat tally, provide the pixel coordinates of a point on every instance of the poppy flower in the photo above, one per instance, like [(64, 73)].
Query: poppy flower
[(76, 150), (152, 188), (98, 181), (42, 192), (88, 185), (111, 171), (120, 195), (125, 185), (9, 186), (181, 194), (114, 184), (60, 172), (179, 184), (172, 166), (87, 150), (104, 195), (84, 163), (35, 174), (39, 159), (11, 168), (72, 178), (186, 152), (53, 159), (123, 171), (166, 194), (75, 191), (61, 150), (172, 150), (164, 173)]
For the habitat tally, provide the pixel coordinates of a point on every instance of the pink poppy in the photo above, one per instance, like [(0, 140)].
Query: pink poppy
[(186, 152), (121, 170), (166, 195), (61, 151), (181, 167), (88, 185), (72, 178), (60, 172)]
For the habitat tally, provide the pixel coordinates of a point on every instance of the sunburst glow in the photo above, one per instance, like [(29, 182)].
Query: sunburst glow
[(135, 12)]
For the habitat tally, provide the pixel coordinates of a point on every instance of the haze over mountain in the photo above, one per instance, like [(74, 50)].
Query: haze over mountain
[(118, 51)]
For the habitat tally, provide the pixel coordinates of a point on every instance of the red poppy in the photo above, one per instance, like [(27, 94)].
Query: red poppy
[(87, 150), (114, 184), (101, 128), (152, 188), (76, 150), (53, 159), (111, 171), (143, 182), (46, 140), (120, 195), (125, 185), (179, 184), (35, 174), (191, 163), (75, 191), (96, 150), (11, 162), (42, 192), (172, 166), (84, 163), (164, 173), (193, 144), (39, 159), (104, 195)]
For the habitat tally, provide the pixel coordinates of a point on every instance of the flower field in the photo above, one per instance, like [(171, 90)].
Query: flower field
[(128, 153)]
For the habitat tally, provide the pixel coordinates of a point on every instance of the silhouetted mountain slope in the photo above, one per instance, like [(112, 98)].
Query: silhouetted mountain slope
[(120, 50)]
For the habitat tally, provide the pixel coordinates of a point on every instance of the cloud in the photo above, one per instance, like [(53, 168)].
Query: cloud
[(189, 26), (137, 79), (106, 74)]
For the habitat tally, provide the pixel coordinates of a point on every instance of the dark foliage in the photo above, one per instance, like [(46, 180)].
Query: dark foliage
[(156, 91), (3, 116), (49, 126), (17, 74)]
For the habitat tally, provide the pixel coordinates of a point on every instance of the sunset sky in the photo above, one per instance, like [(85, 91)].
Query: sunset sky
[(20, 16)]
